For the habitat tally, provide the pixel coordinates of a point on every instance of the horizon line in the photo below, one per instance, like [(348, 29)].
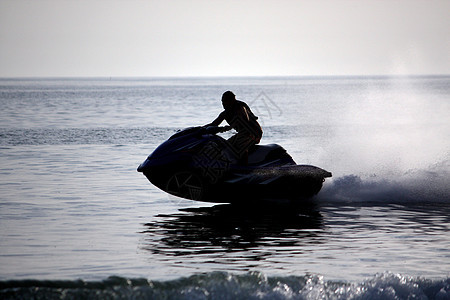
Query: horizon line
[(220, 76)]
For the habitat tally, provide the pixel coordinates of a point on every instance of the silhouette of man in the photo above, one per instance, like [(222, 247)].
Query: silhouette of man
[(240, 118)]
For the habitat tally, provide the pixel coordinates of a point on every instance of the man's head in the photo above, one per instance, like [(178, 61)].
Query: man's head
[(228, 99)]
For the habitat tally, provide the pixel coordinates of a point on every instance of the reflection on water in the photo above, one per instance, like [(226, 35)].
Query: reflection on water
[(229, 234), (362, 239)]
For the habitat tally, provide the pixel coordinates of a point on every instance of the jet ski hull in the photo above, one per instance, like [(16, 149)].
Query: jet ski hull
[(304, 183)]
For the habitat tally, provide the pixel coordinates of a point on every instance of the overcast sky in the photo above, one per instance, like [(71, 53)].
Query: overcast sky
[(223, 38)]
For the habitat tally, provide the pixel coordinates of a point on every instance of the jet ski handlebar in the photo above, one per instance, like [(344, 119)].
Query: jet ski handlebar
[(216, 129)]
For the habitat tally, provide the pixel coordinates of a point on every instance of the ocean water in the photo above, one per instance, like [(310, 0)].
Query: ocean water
[(77, 220)]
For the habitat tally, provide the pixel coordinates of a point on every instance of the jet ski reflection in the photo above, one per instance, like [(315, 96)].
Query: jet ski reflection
[(198, 164), (229, 228)]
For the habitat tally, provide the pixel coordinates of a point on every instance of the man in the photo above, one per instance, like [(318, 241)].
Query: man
[(239, 116)]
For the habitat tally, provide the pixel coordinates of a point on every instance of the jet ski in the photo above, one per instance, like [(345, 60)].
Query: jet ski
[(198, 164)]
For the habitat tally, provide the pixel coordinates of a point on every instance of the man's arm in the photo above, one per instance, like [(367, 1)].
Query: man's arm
[(218, 120)]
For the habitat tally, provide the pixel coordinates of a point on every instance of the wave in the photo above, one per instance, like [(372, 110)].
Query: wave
[(223, 285), (413, 187)]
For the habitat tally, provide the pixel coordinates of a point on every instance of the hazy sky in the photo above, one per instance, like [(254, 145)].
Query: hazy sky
[(223, 38)]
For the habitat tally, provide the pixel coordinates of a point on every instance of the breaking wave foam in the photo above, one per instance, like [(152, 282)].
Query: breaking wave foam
[(222, 285)]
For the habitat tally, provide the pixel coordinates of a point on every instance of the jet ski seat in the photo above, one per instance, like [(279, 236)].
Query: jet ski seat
[(259, 153)]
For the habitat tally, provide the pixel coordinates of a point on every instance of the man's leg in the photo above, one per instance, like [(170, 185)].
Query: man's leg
[(239, 145)]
